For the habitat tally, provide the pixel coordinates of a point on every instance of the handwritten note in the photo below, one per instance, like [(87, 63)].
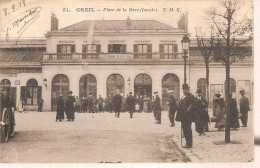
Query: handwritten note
[(20, 21)]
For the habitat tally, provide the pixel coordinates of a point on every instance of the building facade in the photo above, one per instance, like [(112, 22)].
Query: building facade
[(102, 56)]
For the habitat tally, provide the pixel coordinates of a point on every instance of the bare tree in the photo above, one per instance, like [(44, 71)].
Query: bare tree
[(206, 47), (234, 32)]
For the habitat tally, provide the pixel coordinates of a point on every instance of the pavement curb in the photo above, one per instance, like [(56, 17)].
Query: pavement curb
[(191, 157)]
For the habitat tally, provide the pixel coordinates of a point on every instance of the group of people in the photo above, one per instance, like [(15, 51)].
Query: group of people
[(195, 109)]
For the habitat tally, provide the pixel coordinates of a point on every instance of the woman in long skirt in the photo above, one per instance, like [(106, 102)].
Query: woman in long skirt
[(219, 113), (20, 106), (234, 123), (60, 108)]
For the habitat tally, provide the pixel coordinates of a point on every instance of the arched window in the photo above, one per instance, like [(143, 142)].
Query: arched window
[(232, 87), (5, 86), (87, 86), (31, 92), (202, 85), (60, 84), (143, 85), (170, 81), (115, 82)]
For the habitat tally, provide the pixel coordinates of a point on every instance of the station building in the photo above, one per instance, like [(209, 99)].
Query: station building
[(98, 57)]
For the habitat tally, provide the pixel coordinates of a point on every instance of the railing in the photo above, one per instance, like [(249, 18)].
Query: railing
[(107, 57)]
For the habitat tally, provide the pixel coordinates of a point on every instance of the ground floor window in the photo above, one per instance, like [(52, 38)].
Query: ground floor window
[(60, 84), (143, 85), (170, 81), (232, 87), (5, 86), (87, 86), (115, 82), (202, 85)]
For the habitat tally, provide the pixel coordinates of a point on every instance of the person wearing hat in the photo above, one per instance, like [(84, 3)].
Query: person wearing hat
[(117, 102), (157, 109), (100, 102), (244, 108), (186, 114), (70, 107), (203, 116), (60, 108), (219, 112), (130, 100), (172, 107)]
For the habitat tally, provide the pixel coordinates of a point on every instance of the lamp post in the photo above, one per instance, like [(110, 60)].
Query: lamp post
[(185, 42), (129, 82), (45, 82)]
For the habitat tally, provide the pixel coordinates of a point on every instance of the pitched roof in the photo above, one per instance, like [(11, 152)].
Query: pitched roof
[(21, 55), (23, 43), (118, 25)]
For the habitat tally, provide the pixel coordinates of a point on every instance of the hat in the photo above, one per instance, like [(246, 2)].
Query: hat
[(198, 91), (70, 92), (155, 92), (170, 91), (185, 86), (242, 91), (217, 94), (60, 94), (130, 93)]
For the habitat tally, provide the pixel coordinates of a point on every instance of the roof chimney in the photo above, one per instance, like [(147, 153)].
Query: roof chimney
[(128, 21), (183, 22), (54, 22)]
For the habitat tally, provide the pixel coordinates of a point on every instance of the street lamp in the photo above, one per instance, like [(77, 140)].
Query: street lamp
[(185, 42), (129, 82), (45, 82)]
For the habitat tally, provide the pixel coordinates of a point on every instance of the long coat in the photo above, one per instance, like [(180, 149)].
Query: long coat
[(60, 108), (117, 101), (186, 109), (130, 100), (244, 105), (157, 104), (218, 111), (201, 106), (233, 114), (70, 107), (172, 104)]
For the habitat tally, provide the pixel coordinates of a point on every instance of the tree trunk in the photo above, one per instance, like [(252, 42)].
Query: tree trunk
[(207, 80), (227, 87), (227, 97)]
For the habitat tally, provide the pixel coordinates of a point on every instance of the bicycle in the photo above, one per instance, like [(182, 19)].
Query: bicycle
[(7, 124)]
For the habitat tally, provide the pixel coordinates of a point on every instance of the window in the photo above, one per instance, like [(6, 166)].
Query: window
[(31, 92), (116, 48), (168, 50), (65, 48), (142, 51), (202, 85)]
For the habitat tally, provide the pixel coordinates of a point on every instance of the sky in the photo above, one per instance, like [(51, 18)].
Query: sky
[(11, 10)]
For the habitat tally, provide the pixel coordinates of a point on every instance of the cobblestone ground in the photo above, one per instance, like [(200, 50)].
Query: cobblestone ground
[(91, 138), (211, 147), (103, 138)]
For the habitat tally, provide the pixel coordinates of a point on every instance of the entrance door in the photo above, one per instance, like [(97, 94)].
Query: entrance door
[(60, 84), (170, 81), (143, 85), (115, 82)]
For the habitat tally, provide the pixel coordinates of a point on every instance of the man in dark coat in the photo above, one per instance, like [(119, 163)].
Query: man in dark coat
[(157, 109), (40, 104), (130, 100), (203, 116), (186, 114), (70, 107), (244, 108), (172, 107), (117, 101), (60, 108)]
